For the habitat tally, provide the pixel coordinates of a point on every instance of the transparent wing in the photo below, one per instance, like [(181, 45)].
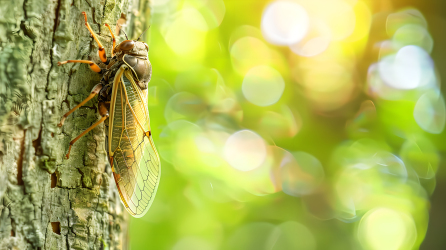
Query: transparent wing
[(135, 161)]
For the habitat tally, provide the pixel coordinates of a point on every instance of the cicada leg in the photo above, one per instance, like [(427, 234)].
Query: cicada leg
[(101, 51), (104, 113), (114, 40), (93, 66), (94, 92)]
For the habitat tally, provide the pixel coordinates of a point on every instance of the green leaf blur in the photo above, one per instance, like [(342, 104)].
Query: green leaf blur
[(292, 124)]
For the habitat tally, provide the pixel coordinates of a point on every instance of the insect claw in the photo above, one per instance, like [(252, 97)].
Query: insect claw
[(68, 154), (61, 122), (85, 15)]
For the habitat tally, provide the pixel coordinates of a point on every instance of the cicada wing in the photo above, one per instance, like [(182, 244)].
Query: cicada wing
[(131, 149)]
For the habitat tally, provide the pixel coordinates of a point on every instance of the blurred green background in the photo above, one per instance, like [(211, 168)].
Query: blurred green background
[(297, 124)]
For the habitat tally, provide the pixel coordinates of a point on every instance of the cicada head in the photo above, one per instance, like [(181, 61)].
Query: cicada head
[(133, 48)]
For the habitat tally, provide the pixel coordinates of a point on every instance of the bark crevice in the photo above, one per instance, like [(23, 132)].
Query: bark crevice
[(20, 160)]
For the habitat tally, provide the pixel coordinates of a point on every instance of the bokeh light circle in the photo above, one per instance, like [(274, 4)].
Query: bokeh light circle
[(186, 34), (430, 112), (384, 228), (413, 67), (263, 85), (263, 179), (421, 155), (411, 34), (363, 22), (408, 16), (410, 68), (391, 167), (284, 22), (301, 173), (328, 85), (340, 17), (182, 105), (317, 40), (284, 123), (212, 12), (248, 52), (245, 150)]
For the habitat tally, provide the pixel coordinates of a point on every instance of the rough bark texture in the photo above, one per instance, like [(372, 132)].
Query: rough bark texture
[(47, 201)]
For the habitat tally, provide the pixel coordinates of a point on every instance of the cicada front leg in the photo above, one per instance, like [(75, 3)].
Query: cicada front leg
[(93, 66), (101, 51)]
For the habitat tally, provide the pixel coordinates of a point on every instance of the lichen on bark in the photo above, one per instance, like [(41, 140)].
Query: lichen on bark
[(47, 201)]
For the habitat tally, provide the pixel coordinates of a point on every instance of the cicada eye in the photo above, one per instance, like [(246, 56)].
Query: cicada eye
[(125, 45)]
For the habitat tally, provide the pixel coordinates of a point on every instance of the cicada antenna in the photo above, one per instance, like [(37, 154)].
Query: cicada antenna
[(143, 33), (120, 26), (125, 34)]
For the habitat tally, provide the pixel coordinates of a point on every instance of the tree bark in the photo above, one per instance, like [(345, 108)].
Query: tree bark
[(47, 201)]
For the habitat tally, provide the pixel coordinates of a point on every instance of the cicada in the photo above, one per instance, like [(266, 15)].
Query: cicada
[(122, 95)]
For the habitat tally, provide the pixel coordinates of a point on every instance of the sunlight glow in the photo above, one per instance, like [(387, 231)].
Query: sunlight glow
[(245, 150), (284, 22)]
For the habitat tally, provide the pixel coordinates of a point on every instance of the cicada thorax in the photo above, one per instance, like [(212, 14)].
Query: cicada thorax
[(134, 55), (136, 58), (141, 68)]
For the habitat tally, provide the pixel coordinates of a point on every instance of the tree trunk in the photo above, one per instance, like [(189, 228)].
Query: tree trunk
[(47, 201)]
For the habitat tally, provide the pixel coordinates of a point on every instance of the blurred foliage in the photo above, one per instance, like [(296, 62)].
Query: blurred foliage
[(291, 124)]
